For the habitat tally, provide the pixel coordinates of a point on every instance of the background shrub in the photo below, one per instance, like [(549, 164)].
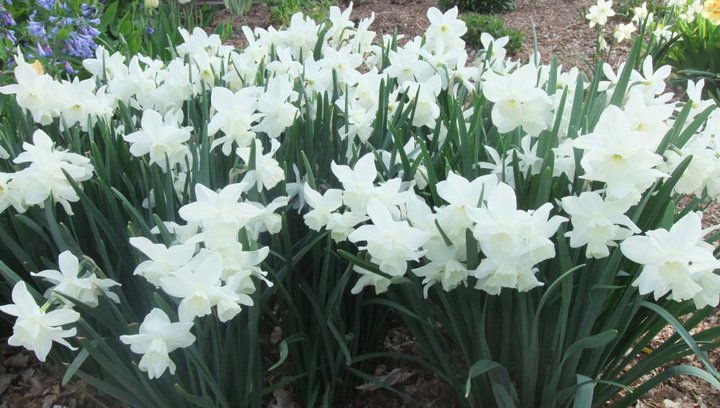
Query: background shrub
[(695, 54), (493, 25), (478, 6), (282, 10)]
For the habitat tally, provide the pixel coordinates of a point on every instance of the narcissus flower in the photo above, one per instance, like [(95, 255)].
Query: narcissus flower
[(161, 138), (513, 241), (676, 261), (267, 172), (445, 29), (200, 288), (277, 112), (235, 113), (390, 243), (597, 223), (44, 177), (68, 281), (224, 207), (711, 11), (35, 329), (620, 157), (163, 261), (357, 182), (322, 206), (518, 102), (34, 91), (599, 13), (156, 339), (624, 32)]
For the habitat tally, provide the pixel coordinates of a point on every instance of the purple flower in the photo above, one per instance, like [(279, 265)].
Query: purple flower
[(44, 50), (7, 18), (10, 35), (149, 31), (87, 10), (89, 31), (69, 69), (46, 4), (37, 29), (79, 45)]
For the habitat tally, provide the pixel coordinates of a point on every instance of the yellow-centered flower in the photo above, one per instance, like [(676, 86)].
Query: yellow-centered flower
[(711, 11), (37, 66)]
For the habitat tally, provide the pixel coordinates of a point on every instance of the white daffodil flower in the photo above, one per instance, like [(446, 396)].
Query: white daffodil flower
[(599, 13), (44, 177), (624, 32), (445, 30), (267, 220), (445, 266), (34, 91), (157, 338), (389, 243), (615, 154), (267, 172), (221, 208), (597, 223), (676, 261), (234, 116), (518, 102), (277, 112), (68, 282), (512, 240), (163, 261), (357, 182), (105, 66), (200, 288), (322, 206), (35, 329), (161, 138)]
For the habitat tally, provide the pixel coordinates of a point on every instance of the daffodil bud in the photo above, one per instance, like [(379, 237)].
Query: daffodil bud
[(152, 4)]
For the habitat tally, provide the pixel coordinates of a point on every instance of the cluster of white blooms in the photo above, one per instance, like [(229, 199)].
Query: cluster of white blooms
[(660, 28), (398, 227), (207, 266), (36, 328), (77, 102), (44, 176)]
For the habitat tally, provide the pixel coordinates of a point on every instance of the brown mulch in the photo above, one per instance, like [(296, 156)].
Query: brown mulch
[(26, 382), (561, 32)]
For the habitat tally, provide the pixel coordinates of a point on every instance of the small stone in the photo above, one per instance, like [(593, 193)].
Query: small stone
[(36, 387), (49, 401), (5, 381), (26, 375), (17, 361)]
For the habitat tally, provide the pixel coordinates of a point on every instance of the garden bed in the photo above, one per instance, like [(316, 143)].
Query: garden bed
[(561, 32)]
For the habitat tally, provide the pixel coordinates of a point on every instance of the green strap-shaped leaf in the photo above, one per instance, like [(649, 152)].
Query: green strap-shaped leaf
[(584, 393)]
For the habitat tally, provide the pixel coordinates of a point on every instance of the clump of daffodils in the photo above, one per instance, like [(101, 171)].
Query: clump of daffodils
[(461, 230)]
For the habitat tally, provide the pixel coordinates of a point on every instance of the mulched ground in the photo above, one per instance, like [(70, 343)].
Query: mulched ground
[(561, 32)]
